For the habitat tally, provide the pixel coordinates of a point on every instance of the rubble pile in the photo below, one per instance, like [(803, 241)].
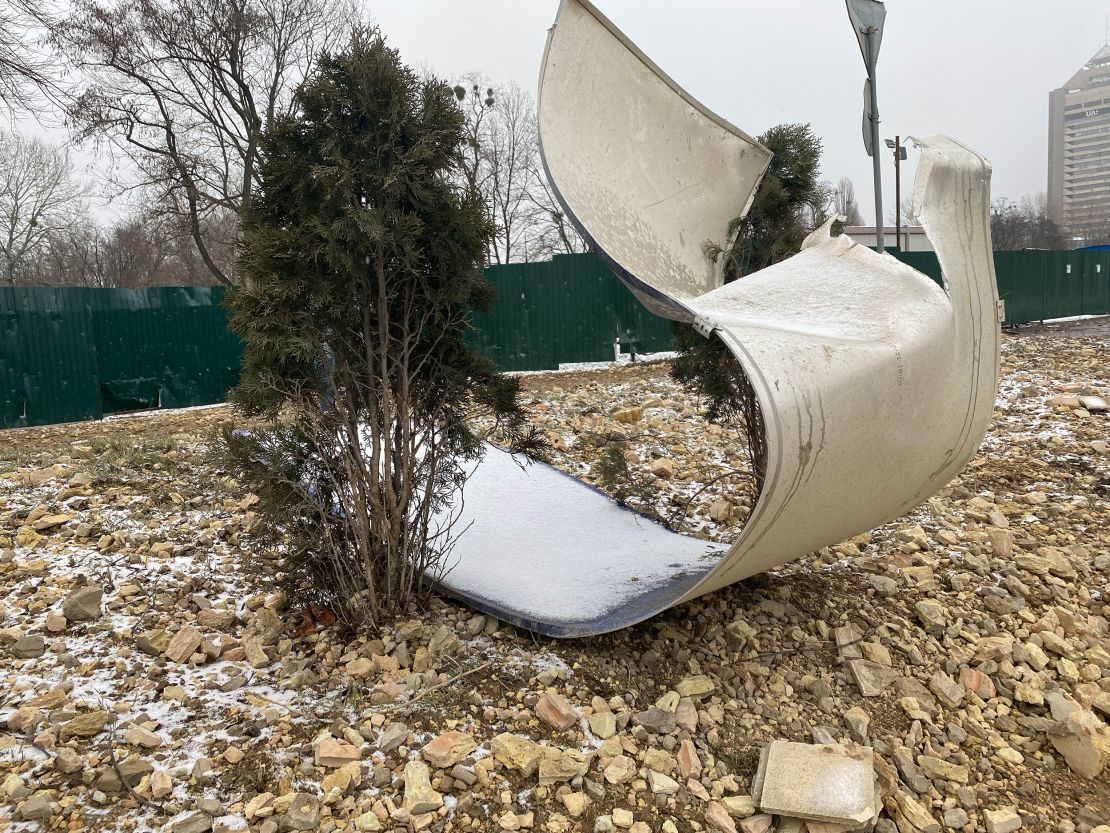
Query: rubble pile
[(948, 671)]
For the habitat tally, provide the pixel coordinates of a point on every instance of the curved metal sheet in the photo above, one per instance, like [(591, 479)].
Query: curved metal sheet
[(648, 174), (876, 385)]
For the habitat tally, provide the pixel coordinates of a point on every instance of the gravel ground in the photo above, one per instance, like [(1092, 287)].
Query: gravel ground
[(149, 680)]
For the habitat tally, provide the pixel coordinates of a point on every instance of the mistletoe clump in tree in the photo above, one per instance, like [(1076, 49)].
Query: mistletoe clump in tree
[(362, 259)]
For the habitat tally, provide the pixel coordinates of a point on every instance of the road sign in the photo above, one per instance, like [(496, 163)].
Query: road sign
[(868, 16), (868, 132)]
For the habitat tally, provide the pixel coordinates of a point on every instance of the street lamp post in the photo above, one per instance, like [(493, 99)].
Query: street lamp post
[(895, 145), (868, 17)]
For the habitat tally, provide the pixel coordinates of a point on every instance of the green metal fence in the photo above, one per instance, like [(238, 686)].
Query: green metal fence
[(1040, 285), (76, 354), (47, 361), (569, 309)]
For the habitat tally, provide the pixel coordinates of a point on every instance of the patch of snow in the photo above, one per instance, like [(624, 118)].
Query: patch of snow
[(162, 411), (1071, 318), (579, 367), (553, 549)]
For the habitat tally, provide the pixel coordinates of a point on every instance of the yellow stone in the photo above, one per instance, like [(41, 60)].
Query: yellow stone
[(27, 537)]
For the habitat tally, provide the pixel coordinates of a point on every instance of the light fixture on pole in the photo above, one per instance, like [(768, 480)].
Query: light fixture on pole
[(868, 17), (895, 145)]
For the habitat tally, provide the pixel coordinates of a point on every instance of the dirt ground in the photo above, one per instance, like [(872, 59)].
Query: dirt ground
[(106, 725)]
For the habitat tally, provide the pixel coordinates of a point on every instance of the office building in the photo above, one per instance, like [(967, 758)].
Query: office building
[(1079, 152)]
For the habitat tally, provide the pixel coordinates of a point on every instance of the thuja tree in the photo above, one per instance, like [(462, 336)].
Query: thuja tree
[(788, 204), (361, 262)]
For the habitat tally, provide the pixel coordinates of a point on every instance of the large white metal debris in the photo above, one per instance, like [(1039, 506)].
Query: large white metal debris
[(876, 385)]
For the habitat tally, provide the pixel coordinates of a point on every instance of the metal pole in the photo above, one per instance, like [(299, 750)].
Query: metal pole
[(872, 61), (898, 191)]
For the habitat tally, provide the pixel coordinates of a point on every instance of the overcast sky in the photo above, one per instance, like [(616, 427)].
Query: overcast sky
[(978, 70)]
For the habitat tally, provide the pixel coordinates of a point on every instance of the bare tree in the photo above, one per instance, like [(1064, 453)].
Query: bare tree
[(508, 151), (185, 89), (71, 256), (39, 197), (1024, 226), (550, 230), (477, 100), (138, 249), (842, 201), (145, 249), (909, 216), (25, 65), (502, 163)]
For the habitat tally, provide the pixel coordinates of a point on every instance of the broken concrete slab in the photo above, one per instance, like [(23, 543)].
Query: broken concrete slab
[(825, 783), (872, 678), (760, 771), (848, 638)]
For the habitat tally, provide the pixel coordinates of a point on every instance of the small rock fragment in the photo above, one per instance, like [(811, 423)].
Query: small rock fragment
[(420, 798), (83, 603), (190, 822), (301, 811), (336, 753), (183, 644), (516, 752), (448, 749), (1005, 820), (556, 712)]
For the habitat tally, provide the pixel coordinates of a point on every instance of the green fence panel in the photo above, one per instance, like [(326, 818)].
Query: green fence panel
[(569, 309), (73, 354), (1062, 294), (1040, 285), (641, 331), (510, 334), (164, 347), (924, 262), (48, 362), (1020, 285), (581, 309), (131, 358), (1095, 270)]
